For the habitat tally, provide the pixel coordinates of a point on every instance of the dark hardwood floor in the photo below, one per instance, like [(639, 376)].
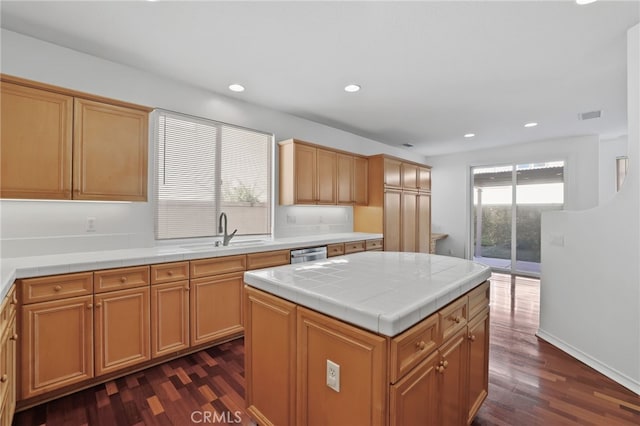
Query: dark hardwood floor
[(531, 382)]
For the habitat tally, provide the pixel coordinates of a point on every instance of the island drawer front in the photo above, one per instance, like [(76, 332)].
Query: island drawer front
[(411, 347), (218, 265), (122, 278), (453, 318), (374, 244), (335, 249), (268, 259), (168, 272), (56, 287), (478, 299), (353, 247)]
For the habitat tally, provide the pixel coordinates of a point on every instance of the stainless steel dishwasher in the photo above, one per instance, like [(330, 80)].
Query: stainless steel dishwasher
[(308, 254)]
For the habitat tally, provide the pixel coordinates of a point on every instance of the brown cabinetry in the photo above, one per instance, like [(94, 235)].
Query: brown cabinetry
[(122, 337), (61, 144), (268, 259), (311, 174), (399, 204), (169, 308), (8, 351)]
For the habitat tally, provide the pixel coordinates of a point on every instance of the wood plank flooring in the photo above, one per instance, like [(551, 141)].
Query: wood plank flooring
[(531, 382)]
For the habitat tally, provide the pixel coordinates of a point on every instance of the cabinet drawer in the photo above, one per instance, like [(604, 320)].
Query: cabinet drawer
[(374, 244), (121, 278), (56, 287), (268, 259), (8, 308), (411, 347), (335, 249), (218, 265), (453, 318), (478, 299), (168, 272), (353, 247)]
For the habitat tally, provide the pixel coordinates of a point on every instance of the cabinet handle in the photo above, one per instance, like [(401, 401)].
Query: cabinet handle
[(57, 288), (123, 279), (90, 305), (440, 369), (456, 320), (186, 289), (98, 305), (170, 272), (421, 345), (4, 378), (14, 337), (472, 337), (445, 363), (14, 299)]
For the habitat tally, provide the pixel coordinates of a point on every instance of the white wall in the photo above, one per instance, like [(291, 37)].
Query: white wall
[(590, 285), (610, 150), (38, 227), (451, 191)]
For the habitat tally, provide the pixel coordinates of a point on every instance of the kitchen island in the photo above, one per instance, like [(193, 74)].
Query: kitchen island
[(370, 338)]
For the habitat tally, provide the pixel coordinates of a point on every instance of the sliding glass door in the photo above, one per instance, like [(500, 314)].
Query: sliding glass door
[(508, 202)]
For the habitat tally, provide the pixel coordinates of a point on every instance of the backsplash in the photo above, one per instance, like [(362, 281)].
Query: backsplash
[(294, 221)]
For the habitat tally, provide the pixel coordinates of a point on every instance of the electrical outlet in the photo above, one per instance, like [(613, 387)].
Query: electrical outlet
[(333, 375), (91, 224)]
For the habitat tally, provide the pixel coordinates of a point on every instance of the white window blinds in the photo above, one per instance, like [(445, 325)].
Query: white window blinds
[(204, 168)]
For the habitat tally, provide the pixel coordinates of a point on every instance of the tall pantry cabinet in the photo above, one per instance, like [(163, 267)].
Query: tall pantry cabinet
[(399, 204)]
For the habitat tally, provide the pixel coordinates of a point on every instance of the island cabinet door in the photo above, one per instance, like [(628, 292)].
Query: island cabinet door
[(414, 399), (122, 337), (216, 307), (452, 380), (270, 358), (478, 341), (356, 359)]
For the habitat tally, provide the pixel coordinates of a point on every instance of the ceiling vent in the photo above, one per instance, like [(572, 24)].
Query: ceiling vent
[(590, 115), (408, 145)]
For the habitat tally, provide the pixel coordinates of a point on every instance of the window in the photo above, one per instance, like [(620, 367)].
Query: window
[(205, 168)]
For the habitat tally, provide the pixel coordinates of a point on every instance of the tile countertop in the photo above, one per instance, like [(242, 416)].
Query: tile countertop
[(384, 292), (35, 266)]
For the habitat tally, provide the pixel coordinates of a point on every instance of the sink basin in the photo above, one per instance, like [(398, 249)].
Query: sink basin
[(201, 246), (247, 242), (212, 246)]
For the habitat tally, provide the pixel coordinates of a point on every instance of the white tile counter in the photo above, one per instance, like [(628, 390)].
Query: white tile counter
[(384, 292), (35, 266)]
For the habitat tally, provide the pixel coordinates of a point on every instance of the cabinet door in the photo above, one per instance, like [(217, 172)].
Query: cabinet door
[(409, 221), (270, 358), (361, 181), (452, 380), (392, 172), (414, 399), (56, 344), (36, 143), (8, 338), (392, 220), (216, 307), (424, 223), (362, 359), (305, 174), (345, 166), (424, 178), (109, 152), (327, 175), (478, 340), (409, 176), (169, 318), (122, 329)]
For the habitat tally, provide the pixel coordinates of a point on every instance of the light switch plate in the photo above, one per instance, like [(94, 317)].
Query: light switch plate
[(333, 375)]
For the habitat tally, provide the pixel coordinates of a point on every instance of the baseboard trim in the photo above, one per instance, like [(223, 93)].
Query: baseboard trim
[(613, 374)]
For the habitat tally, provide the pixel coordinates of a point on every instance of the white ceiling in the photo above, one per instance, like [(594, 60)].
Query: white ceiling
[(430, 71)]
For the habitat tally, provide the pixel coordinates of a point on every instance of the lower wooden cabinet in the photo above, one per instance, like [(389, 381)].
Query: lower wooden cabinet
[(122, 337), (413, 400), (216, 307), (8, 350), (169, 318), (452, 380), (56, 344), (478, 341)]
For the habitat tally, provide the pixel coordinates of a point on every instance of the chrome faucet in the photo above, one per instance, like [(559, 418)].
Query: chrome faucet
[(225, 237)]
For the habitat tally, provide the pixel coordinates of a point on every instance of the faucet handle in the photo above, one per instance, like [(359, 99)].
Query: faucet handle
[(233, 233)]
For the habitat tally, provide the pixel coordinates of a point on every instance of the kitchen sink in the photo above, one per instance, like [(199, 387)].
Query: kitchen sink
[(212, 246)]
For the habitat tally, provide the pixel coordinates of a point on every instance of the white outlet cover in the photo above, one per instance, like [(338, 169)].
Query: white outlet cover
[(333, 375)]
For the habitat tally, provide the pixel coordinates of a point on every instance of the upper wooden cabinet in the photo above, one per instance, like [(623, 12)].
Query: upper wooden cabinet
[(310, 174), (48, 132)]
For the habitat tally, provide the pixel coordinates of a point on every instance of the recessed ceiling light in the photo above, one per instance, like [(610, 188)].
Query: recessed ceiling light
[(469, 135), (532, 124), (351, 88), (236, 87), (583, 2)]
